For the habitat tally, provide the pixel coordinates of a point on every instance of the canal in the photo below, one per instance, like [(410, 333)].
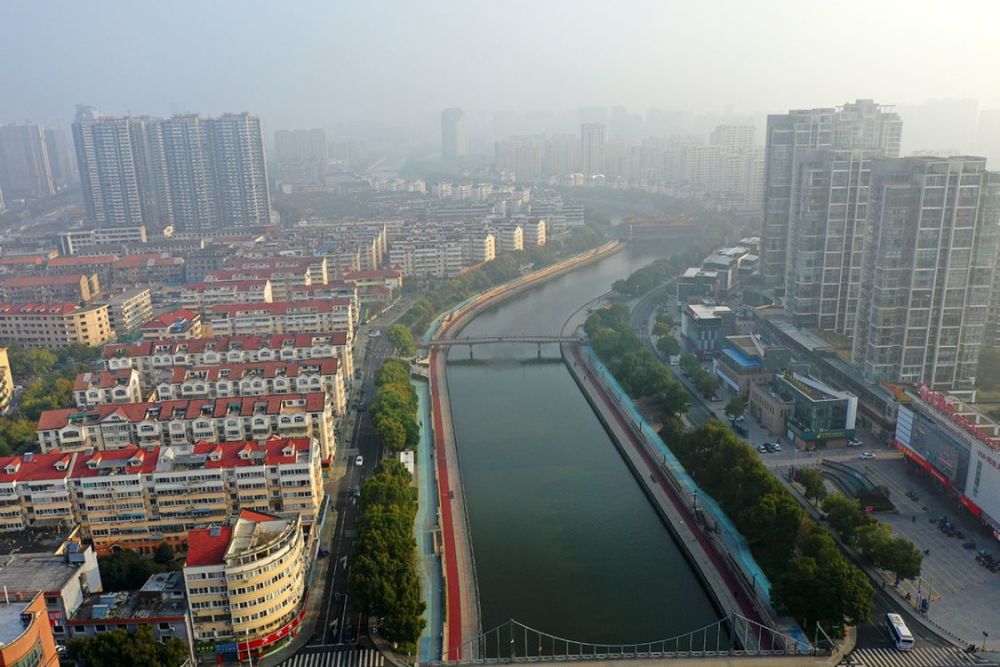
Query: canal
[(564, 538)]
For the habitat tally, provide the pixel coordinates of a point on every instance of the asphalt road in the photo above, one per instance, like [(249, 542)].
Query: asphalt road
[(340, 623)]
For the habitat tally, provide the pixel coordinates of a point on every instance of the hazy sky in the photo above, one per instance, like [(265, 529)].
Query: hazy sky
[(320, 63)]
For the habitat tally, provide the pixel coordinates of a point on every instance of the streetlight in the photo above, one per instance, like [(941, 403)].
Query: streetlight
[(986, 636), (695, 498)]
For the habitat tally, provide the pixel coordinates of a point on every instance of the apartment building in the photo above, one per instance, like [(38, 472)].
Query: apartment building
[(138, 498), (202, 296), (71, 288), (98, 387), (151, 357), (254, 379), (181, 323), (26, 633), (235, 319), (78, 241), (177, 422), (148, 269), (129, 309), (100, 265), (315, 265), (928, 271), (55, 324), (246, 583), (282, 280)]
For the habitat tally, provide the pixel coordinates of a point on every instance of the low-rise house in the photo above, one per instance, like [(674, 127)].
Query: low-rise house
[(96, 387)]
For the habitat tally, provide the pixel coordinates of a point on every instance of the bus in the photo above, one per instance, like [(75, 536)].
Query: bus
[(900, 633)]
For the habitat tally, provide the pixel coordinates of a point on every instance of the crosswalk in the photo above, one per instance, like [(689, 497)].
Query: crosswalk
[(364, 657), (927, 656)]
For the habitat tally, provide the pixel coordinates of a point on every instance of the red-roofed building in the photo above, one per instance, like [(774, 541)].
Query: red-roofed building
[(72, 288), (148, 269), (181, 323), (55, 324), (254, 379), (151, 357), (316, 264), (236, 319), (139, 497), (111, 427), (204, 295), (281, 279), (246, 583), (95, 387)]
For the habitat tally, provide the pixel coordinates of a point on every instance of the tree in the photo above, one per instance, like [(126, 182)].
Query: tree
[(876, 542), (126, 570), (668, 345), (845, 515), (812, 481), (707, 384), (390, 431), (736, 407), (164, 554), (118, 647), (662, 329), (402, 339)]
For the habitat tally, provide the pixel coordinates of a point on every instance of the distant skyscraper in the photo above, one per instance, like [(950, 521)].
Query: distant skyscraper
[(862, 125), (237, 147), (122, 170), (593, 140), (190, 174), (733, 138), (452, 133), (24, 161), (300, 156), (928, 270), (60, 156), (520, 156), (198, 173)]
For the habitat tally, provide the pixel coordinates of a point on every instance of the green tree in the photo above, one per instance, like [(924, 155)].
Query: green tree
[(126, 570), (736, 407), (390, 430), (707, 384), (164, 554), (662, 329), (668, 345), (118, 647), (812, 481), (401, 339), (845, 515)]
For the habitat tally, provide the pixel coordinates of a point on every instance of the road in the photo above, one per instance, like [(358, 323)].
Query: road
[(339, 623)]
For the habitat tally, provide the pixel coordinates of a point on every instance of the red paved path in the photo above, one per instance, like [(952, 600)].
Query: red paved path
[(453, 650)]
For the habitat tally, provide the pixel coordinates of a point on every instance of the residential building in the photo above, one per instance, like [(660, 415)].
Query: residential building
[(203, 296), (138, 498), (300, 157), (160, 605), (452, 133), (73, 288), (153, 269), (78, 241), (113, 427), (151, 357), (123, 170), (928, 271), (60, 157), (177, 324), (705, 328), (61, 571), (234, 319), (55, 324), (96, 387), (6, 382), (254, 379), (593, 140), (26, 636), (25, 170), (198, 173), (281, 280), (128, 310), (520, 158), (862, 125)]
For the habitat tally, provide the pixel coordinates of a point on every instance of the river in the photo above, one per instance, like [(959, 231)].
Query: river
[(564, 538)]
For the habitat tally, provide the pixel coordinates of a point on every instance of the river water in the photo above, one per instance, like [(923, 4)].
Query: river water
[(564, 538)]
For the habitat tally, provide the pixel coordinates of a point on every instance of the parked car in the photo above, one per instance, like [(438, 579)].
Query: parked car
[(777, 446), (853, 442), (359, 460), (762, 449), (866, 455), (322, 553)]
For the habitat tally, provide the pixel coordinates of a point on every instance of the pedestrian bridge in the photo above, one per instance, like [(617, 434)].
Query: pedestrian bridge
[(473, 341), (730, 637)]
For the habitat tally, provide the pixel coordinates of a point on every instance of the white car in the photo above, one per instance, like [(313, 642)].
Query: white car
[(374, 333), (777, 446), (359, 460), (866, 455), (853, 442)]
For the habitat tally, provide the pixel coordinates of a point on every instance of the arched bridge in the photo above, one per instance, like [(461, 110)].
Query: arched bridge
[(473, 341)]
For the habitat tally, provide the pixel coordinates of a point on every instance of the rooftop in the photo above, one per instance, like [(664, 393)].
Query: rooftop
[(703, 312), (129, 605), (207, 546), (34, 572), (12, 625)]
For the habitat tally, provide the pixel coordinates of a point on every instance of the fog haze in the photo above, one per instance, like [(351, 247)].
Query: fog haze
[(308, 64)]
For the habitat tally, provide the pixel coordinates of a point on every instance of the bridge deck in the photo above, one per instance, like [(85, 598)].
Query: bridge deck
[(489, 340)]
